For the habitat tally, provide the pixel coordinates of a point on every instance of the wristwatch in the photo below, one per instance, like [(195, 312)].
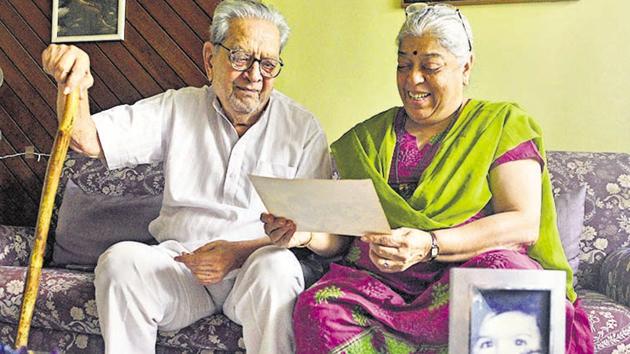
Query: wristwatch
[(435, 249)]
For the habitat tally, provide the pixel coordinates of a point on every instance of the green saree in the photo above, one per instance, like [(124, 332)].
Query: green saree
[(454, 187)]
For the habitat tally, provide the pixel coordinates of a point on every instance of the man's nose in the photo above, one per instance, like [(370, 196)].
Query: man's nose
[(253, 73)]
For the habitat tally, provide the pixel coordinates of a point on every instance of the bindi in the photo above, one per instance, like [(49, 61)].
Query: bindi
[(415, 52)]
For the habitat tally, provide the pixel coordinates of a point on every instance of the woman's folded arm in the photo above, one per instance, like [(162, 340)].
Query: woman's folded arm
[(516, 201)]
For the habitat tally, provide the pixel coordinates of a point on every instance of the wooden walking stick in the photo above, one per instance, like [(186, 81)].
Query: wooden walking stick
[(46, 203)]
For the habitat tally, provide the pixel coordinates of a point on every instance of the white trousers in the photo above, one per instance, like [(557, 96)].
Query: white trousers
[(141, 289)]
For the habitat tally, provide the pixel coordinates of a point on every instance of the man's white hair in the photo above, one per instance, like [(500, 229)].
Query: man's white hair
[(228, 10)]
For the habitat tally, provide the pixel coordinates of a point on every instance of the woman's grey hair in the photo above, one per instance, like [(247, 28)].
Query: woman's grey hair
[(231, 9), (444, 22)]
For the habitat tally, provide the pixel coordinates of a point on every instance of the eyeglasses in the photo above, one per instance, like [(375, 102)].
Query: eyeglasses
[(459, 14), (243, 61), (423, 9)]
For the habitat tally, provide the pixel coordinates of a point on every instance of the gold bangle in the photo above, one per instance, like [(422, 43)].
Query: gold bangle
[(305, 244)]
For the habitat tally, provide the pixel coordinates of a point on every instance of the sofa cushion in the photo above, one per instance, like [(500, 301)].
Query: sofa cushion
[(610, 322), (570, 211), (217, 340), (65, 303), (42, 340), (615, 276), (65, 300), (88, 223), (116, 187), (606, 177)]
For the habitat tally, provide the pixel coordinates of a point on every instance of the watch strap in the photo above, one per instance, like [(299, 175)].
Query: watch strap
[(435, 248)]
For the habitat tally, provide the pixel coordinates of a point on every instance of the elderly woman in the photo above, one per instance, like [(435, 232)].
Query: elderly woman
[(463, 183)]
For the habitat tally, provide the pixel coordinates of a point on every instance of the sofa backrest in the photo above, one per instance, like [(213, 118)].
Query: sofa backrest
[(606, 177), (93, 177)]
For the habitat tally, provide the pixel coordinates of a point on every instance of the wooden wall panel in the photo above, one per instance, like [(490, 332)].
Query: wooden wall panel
[(162, 50)]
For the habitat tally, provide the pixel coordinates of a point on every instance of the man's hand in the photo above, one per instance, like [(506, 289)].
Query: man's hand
[(69, 65), (211, 262), (282, 233)]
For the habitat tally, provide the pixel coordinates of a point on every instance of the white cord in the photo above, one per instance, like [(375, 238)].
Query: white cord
[(38, 154)]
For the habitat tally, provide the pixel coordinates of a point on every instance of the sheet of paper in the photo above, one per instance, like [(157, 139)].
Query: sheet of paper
[(345, 207)]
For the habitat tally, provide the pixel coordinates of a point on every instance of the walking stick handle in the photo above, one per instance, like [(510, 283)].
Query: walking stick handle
[(46, 204)]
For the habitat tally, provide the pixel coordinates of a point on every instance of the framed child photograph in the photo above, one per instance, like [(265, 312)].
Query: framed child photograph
[(88, 20), (506, 311)]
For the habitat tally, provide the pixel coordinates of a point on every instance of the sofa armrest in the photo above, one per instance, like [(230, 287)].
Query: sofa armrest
[(615, 276), (15, 245)]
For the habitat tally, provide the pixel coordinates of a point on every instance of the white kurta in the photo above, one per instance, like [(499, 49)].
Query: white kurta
[(207, 196)]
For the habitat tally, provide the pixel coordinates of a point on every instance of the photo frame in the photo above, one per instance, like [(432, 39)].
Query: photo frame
[(88, 20), (472, 2), (520, 308)]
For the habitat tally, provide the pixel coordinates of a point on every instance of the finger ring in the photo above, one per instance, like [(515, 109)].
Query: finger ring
[(385, 264)]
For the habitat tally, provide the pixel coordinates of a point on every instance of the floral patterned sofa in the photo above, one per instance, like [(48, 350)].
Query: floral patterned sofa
[(65, 315)]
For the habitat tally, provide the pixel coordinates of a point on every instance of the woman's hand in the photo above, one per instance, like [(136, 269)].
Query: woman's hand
[(400, 250), (282, 233)]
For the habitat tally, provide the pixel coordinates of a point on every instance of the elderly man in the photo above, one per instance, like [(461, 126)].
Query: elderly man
[(212, 254)]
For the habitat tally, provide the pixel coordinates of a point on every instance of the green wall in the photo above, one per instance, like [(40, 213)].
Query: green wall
[(567, 63)]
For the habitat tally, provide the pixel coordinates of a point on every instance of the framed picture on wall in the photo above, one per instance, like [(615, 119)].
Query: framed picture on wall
[(513, 311), (88, 20), (472, 2)]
